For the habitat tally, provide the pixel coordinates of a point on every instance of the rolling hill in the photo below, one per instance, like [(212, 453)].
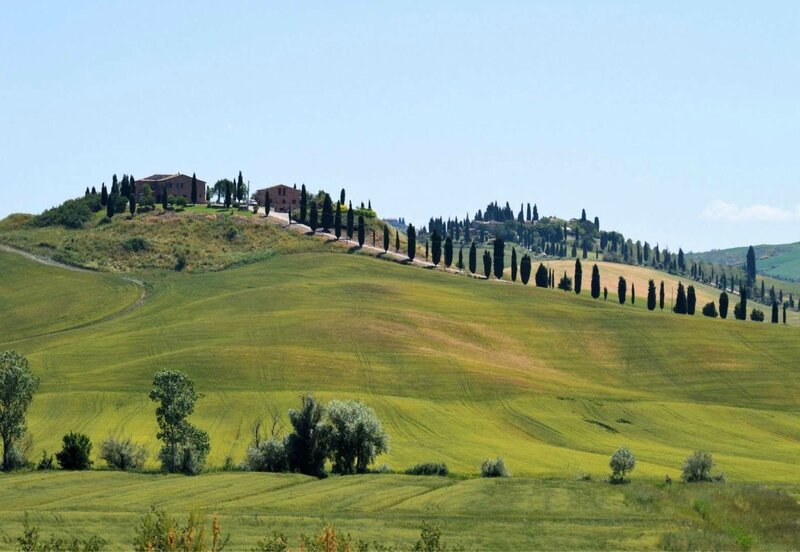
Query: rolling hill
[(778, 261)]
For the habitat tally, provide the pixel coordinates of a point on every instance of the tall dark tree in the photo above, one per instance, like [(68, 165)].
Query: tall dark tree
[(268, 206), (194, 188), (307, 445), (304, 205), (351, 221), (114, 186), (691, 300), (535, 213), (460, 264), (18, 385), (633, 293), (661, 296), (327, 213), (132, 204), (774, 312), (228, 194), (750, 265), (411, 233), (386, 236), (111, 205), (583, 215), (397, 241), (680, 300), (448, 252), (487, 263), (723, 305), (528, 213), (740, 310), (240, 190), (681, 261), (785, 306), (436, 242), (341, 197), (499, 258), (622, 290), (103, 195), (313, 218), (513, 265), (578, 280), (427, 249), (473, 258), (542, 276), (597, 223), (361, 231), (595, 282), (125, 187), (525, 269), (337, 221), (651, 295)]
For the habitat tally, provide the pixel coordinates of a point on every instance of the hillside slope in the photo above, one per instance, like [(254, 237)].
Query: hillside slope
[(779, 261), (458, 369)]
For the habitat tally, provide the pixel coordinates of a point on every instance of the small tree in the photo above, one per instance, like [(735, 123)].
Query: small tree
[(622, 290), (542, 276), (327, 213), (397, 241), (307, 445), (147, 200), (473, 258), (757, 315), (268, 205), (313, 221), (723, 305), (386, 238), (123, 454), (356, 436), (622, 463), (499, 258), (132, 204), (487, 263), (525, 269), (697, 467), (774, 312), (595, 282), (17, 387), (661, 296), (691, 300), (194, 189), (436, 250), (411, 234), (494, 468), (75, 452), (681, 306), (513, 264), (651, 295), (578, 276), (361, 230), (448, 252), (565, 283)]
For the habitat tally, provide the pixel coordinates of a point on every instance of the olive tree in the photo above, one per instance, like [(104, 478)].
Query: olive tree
[(622, 463), (356, 436), (185, 447), (17, 387), (697, 467)]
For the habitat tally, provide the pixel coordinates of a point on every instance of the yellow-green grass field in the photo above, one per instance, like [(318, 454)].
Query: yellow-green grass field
[(458, 369)]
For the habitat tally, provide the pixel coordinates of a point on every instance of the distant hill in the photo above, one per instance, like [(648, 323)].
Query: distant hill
[(779, 261)]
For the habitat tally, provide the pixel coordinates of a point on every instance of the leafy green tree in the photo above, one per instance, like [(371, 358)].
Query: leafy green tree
[(361, 231), (697, 467), (307, 444), (542, 276), (436, 249), (386, 238), (194, 188), (499, 258), (355, 435), (351, 221), (327, 213), (622, 290), (473, 258), (622, 463), (513, 264), (304, 205), (313, 220), (411, 235), (651, 295), (185, 447), (595, 282), (17, 387), (448, 252), (578, 280), (75, 452), (691, 300), (525, 269), (487, 263), (723, 305)]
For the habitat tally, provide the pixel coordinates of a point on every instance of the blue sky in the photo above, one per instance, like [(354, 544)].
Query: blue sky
[(675, 122)]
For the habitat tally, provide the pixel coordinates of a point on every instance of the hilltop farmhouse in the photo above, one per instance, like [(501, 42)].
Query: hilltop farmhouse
[(178, 185), (282, 198)]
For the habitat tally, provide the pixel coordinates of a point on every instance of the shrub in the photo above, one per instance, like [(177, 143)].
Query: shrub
[(73, 213), (494, 468), (277, 542), (188, 457), (74, 454), (383, 469), (622, 463), (120, 204), (47, 462), (123, 454), (429, 468), (697, 467), (157, 530), (135, 244), (180, 261), (268, 456), (31, 541), (757, 315), (710, 310)]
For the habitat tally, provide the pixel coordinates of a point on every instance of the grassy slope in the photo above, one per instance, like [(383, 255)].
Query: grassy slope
[(781, 261)]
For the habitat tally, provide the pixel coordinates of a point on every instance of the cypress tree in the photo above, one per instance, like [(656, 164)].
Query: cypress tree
[(763, 291), (605, 293), (680, 301), (774, 312), (351, 221), (528, 214), (103, 195), (94, 191), (228, 194), (114, 186), (313, 219), (412, 242), (740, 310), (487, 263), (661, 296), (337, 221), (165, 198), (361, 230), (595, 282), (525, 269), (633, 293), (194, 188), (622, 290), (597, 224), (499, 258), (691, 300), (448, 252), (460, 264), (437, 247), (751, 266), (132, 204), (785, 305), (240, 188), (112, 200), (542, 276), (578, 280), (303, 205), (386, 236), (86, 193), (723, 305), (651, 295), (341, 197), (427, 249), (268, 206), (513, 264), (473, 258), (583, 215), (327, 213), (397, 241)]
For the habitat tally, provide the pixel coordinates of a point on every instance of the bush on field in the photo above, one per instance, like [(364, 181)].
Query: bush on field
[(157, 530), (494, 468), (757, 315), (268, 456), (73, 213), (46, 462), (710, 310), (123, 454), (697, 467), (135, 244), (622, 463), (75, 452), (276, 542), (429, 468), (32, 541)]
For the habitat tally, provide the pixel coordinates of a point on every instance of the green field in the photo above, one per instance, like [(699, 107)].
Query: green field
[(779, 261), (458, 369)]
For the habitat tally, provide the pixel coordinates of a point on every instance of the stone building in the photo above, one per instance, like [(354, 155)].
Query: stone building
[(178, 185), (282, 198)]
